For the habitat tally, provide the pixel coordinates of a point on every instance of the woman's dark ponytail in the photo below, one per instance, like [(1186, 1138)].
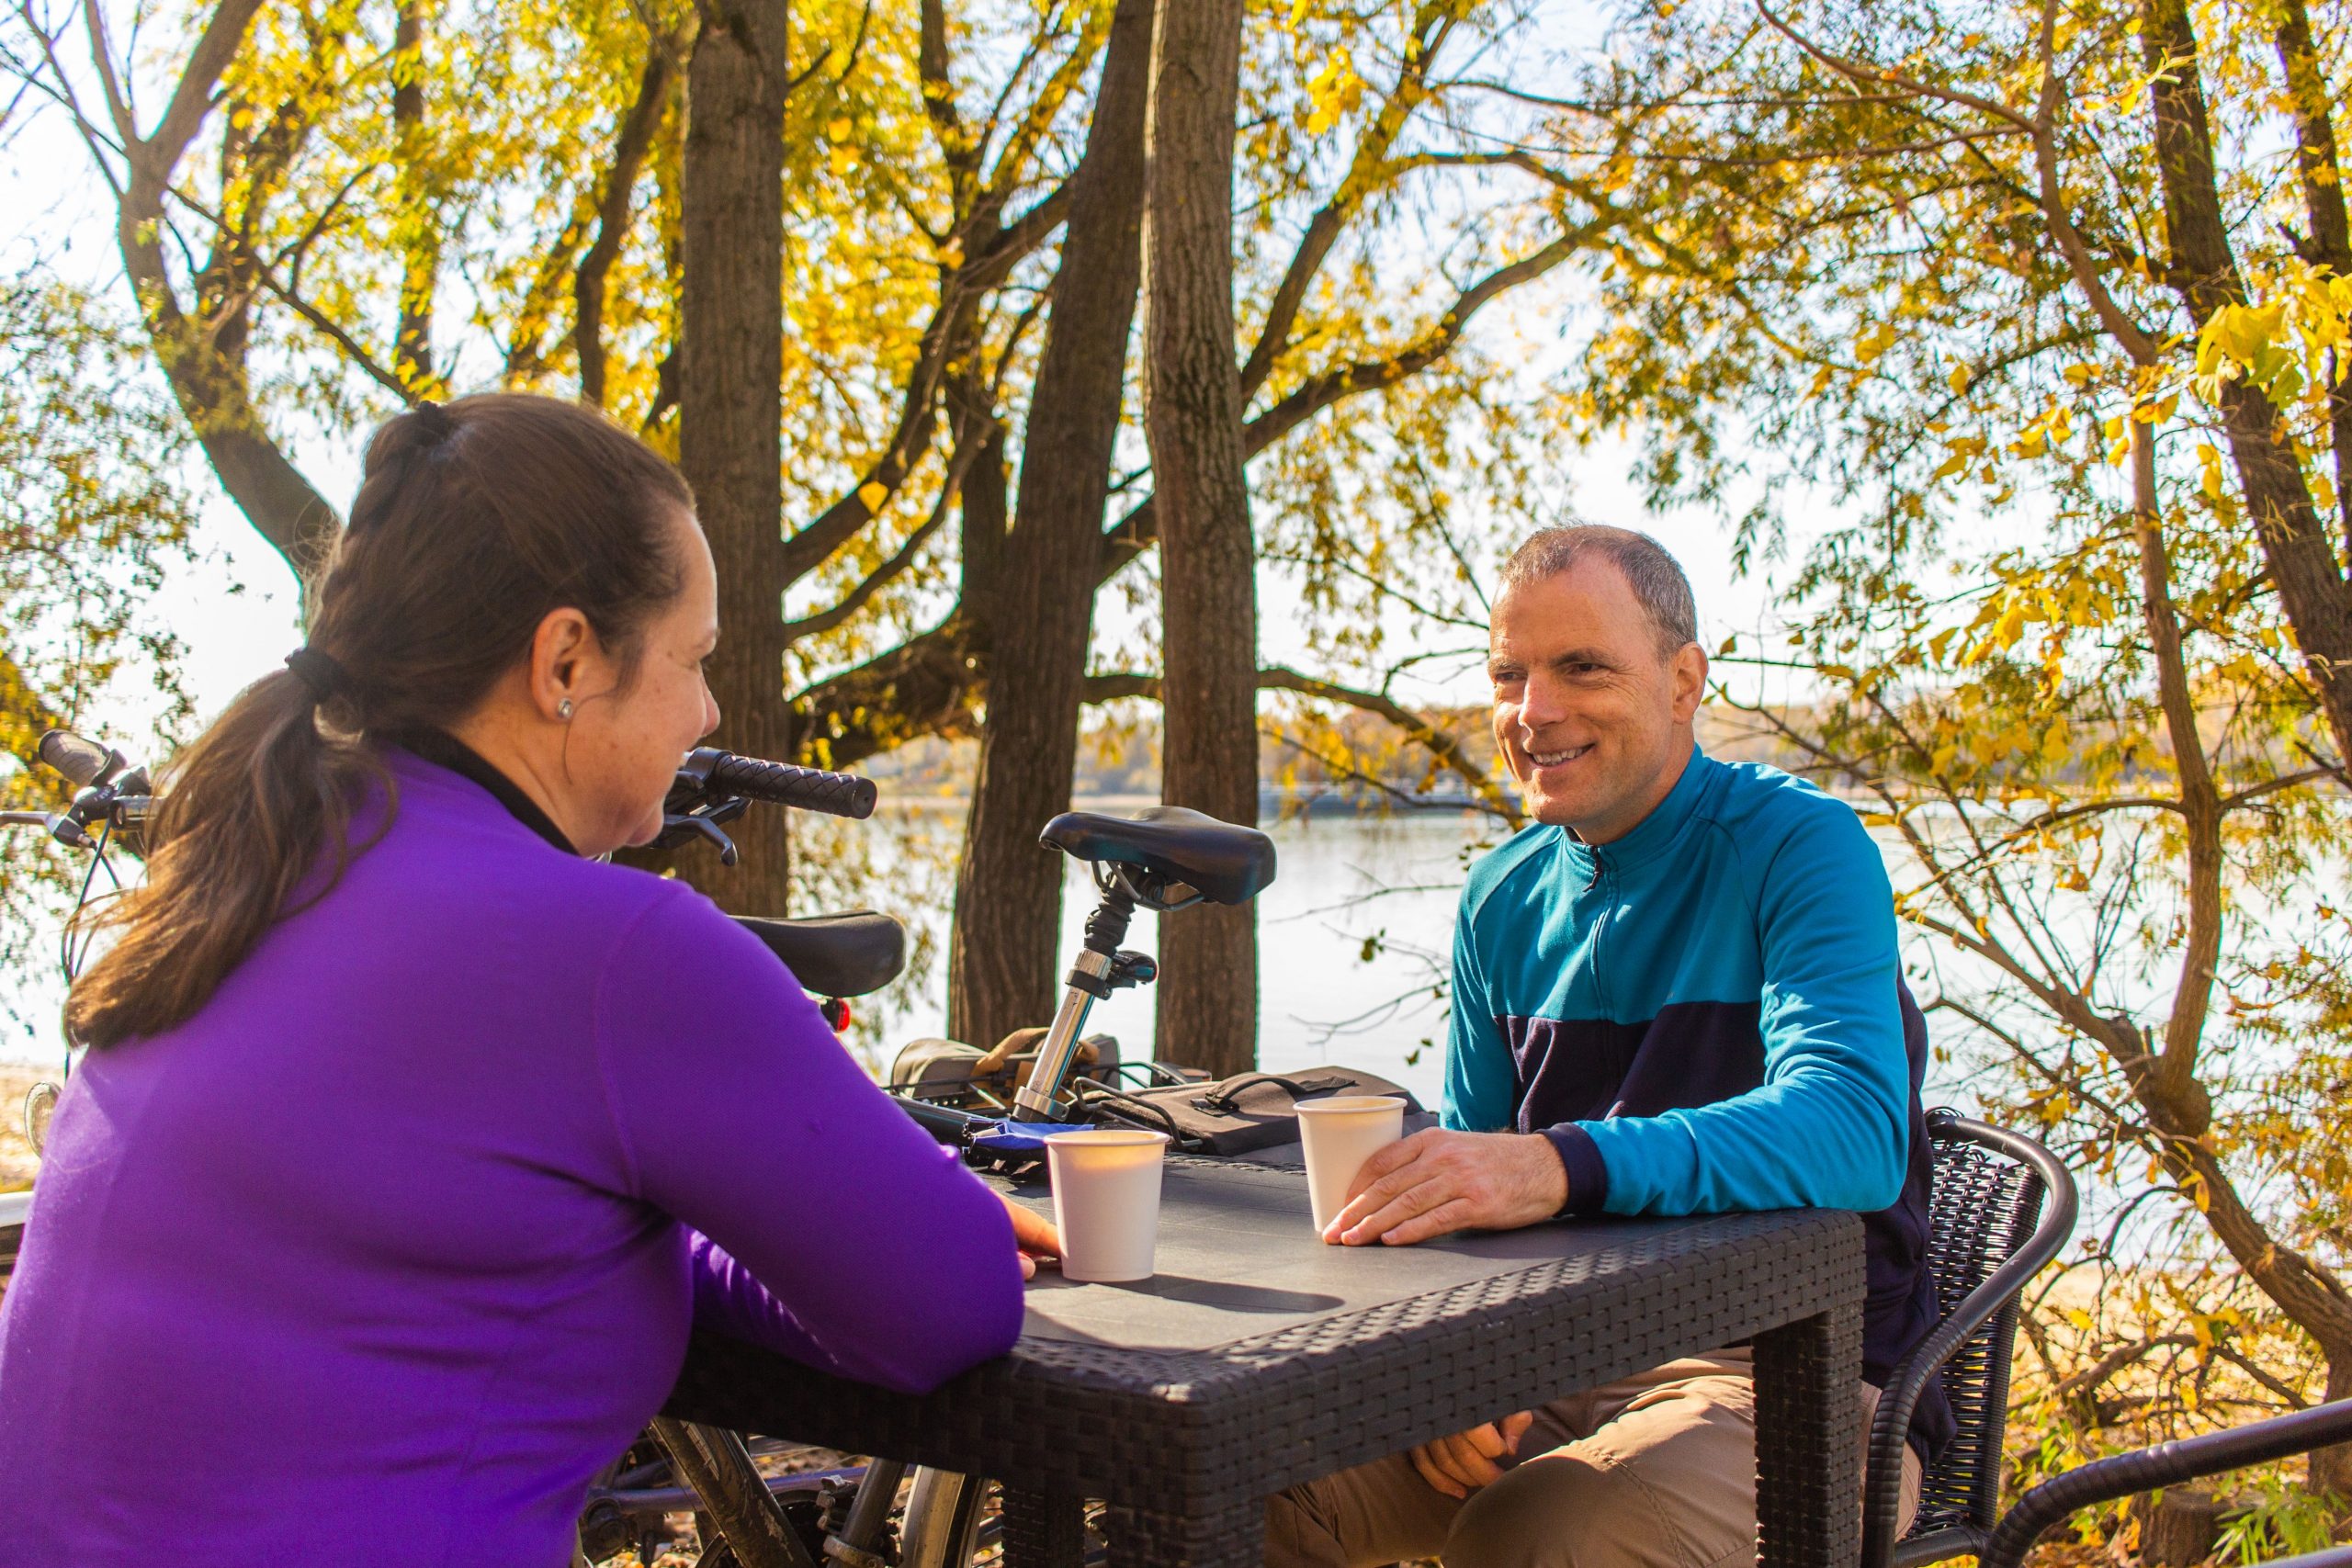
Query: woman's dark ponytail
[(472, 522)]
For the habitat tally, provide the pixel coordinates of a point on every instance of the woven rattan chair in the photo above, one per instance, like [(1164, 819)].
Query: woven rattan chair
[(2001, 1207)]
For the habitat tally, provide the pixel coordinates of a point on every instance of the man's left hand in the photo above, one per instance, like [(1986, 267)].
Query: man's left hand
[(1437, 1182)]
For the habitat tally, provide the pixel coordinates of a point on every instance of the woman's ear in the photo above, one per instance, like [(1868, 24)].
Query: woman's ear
[(564, 652)]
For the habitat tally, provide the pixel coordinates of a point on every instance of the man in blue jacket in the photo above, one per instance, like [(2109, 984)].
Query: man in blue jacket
[(1676, 993)]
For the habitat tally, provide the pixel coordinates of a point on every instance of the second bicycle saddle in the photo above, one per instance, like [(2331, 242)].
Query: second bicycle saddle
[(1225, 862), (852, 953)]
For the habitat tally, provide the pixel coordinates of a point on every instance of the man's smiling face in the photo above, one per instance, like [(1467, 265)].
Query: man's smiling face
[(1592, 715)]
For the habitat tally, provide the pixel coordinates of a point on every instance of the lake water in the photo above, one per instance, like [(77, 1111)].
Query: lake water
[(1353, 937)]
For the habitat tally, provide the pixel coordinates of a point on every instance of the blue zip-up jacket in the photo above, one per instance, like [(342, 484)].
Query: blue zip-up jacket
[(1709, 1014)]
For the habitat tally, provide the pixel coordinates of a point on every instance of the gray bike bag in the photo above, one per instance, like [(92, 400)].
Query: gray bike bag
[(1251, 1111)]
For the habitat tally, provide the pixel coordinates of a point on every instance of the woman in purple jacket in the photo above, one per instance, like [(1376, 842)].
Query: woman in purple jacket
[(412, 1140)]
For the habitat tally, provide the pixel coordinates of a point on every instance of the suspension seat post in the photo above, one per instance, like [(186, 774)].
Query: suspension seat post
[(1089, 981)]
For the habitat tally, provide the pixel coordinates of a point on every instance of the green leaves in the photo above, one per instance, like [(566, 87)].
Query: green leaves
[(91, 520)]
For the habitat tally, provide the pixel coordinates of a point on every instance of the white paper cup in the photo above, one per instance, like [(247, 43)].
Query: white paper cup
[(1341, 1134), (1106, 1201)]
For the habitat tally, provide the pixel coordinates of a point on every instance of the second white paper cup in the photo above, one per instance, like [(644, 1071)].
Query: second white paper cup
[(1341, 1134), (1106, 1201)]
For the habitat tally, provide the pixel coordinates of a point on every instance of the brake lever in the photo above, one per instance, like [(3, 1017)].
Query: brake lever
[(676, 831)]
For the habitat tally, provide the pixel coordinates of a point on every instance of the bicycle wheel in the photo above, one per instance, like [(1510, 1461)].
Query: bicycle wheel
[(949, 1523), (943, 1522), (12, 1238)]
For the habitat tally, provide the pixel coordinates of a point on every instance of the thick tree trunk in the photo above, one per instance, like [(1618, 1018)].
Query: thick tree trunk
[(2168, 1083), (2329, 244), (1038, 597), (1208, 966), (2296, 543), (731, 401), (2331, 1469)]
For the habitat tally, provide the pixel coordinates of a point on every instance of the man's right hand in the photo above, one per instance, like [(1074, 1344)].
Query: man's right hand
[(1463, 1463), (1438, 1181)]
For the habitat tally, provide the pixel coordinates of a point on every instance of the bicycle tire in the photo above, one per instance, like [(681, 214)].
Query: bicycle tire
[(942, 1520), (12, 1241)]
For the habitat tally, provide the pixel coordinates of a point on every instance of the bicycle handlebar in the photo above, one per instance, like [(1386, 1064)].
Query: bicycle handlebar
[(809, 789), (84, 762)]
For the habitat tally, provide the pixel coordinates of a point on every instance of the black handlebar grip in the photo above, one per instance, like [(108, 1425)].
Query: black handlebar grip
[(809, 789)]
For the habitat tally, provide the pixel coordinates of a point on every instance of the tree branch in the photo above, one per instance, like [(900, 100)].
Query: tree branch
[(126, 125), (1136, 532), (881, 576), (960, 294), (1873, 75), (1367, 170), (644, 118), (1443, 747), (192, 97)]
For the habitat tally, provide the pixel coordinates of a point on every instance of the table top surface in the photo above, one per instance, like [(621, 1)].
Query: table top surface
[(1238, 1258), (1257, 1356)]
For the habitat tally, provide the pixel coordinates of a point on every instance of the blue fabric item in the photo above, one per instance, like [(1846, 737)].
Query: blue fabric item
[(1709, 1015), (1010, 1137)]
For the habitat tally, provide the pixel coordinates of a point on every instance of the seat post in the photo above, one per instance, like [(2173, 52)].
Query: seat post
[(1089, 981)]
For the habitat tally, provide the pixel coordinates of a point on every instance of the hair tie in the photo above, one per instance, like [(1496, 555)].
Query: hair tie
[(434, 420), (316, 671)]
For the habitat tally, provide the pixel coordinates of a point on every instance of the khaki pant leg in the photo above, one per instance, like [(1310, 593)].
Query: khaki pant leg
[(1381, 1512), (1665, 1478), (1657, 1468), (1384, 1512)]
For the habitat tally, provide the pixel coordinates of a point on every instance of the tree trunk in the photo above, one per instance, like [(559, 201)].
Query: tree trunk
[(2331, 1469), (2166, 1084), (417, 228), (2181, 1532), (1038, 596), (730, 402), (2296, 544), (1208, 956), (2329, 244)]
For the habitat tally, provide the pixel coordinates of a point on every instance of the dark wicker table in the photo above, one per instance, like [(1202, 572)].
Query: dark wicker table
[(1258, 1358)]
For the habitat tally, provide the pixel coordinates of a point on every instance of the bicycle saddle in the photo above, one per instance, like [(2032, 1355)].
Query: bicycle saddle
[(852, 954), (1225, 862)]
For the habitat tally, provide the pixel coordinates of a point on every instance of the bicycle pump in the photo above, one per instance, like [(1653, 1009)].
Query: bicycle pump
[(1101, 967)]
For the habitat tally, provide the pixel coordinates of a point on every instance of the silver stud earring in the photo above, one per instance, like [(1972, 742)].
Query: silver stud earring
[(563, 710)]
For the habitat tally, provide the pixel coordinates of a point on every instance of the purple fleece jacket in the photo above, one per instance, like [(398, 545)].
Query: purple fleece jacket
[(380, 1255)]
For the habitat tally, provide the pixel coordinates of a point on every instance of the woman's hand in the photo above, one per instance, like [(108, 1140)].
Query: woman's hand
[(1033, 1233)]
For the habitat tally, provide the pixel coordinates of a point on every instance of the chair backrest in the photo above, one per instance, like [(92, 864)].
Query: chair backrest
[(1982, 1208)]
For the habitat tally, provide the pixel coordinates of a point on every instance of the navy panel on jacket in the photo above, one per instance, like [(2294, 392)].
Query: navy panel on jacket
[(1695, 1053)]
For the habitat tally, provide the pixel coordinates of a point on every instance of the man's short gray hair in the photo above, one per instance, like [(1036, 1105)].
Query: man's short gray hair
[(1655, 576)]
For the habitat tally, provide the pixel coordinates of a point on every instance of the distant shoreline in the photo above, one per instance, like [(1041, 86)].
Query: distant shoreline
[(1270, 804)]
